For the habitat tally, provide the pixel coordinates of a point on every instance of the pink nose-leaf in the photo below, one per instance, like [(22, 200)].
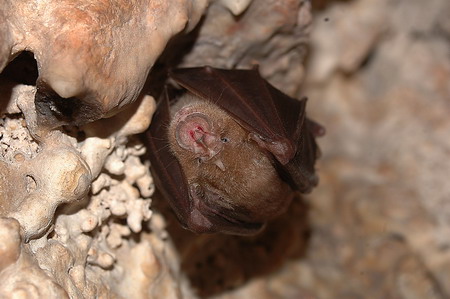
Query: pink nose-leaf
[(195, 133)]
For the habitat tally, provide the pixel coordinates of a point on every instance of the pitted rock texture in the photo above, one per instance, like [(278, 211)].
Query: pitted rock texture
[(78, 201)]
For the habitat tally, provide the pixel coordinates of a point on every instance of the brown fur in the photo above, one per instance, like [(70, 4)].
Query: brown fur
[(248, 179)]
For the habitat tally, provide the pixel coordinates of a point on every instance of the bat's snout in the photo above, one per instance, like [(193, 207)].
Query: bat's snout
[(194, 133)]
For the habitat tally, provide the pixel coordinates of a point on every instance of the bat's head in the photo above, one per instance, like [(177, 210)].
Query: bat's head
[(233, 184)]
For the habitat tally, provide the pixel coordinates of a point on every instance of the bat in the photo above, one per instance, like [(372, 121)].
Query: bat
[(231, 151)]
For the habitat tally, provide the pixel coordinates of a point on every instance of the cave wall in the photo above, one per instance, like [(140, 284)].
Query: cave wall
[(79, 214)]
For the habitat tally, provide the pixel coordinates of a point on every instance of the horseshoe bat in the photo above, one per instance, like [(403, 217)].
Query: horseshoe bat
[(231, 151)]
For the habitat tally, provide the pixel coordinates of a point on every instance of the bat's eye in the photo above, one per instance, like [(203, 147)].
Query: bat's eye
[(225, 139)]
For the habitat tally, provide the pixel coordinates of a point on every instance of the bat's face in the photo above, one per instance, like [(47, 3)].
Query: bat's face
[(224, 168), (238, 150)]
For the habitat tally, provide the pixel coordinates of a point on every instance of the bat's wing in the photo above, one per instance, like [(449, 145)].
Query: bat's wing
[(276, 121), (170, 178), (186, 201)]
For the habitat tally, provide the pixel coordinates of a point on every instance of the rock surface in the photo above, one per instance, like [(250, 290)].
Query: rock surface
[(78, 214)]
